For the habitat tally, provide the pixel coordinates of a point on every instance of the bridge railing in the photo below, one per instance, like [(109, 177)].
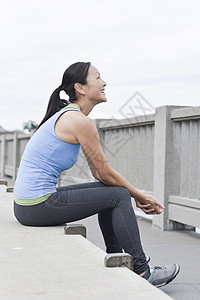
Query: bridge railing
[(158, 153), (11, 149)]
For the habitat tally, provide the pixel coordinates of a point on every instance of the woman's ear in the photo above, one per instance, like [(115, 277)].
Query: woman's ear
[(79, 88)]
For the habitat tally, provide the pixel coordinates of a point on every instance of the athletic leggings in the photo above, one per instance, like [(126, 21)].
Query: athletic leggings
[(75, 202)]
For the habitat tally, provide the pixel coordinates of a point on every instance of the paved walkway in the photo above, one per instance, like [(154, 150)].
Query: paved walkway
[(165, 248)]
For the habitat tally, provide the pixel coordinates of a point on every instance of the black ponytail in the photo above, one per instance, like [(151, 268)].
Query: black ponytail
[(75, 73)]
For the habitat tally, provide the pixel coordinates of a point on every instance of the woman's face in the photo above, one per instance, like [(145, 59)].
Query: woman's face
[(95, 87)]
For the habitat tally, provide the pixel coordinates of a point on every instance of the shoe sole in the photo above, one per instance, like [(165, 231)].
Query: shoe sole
[(172, 278)]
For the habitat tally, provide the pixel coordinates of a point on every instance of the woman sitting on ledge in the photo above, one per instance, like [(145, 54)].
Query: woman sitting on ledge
[(55, 147)]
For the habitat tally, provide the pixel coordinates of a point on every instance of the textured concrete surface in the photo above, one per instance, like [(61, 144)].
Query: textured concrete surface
[(165, 248), (44, 263)]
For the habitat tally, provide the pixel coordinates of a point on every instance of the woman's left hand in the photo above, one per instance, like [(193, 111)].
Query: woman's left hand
[(151, 206)]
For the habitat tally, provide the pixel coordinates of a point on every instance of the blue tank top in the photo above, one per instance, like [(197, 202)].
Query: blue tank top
[(43, 160)]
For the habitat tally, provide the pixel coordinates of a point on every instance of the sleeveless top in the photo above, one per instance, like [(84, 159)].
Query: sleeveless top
[(42, 162)]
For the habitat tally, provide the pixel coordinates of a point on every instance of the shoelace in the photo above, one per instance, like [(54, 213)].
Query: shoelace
[(157, 268)]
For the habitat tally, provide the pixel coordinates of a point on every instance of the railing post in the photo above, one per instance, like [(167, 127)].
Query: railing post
[(2, 155), (166, 166), (14, 156)]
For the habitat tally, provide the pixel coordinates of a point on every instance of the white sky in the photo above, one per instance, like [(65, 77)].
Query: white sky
[(150, 46)]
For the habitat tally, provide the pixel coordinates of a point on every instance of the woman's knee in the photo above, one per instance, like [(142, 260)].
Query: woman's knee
[(122, 194)]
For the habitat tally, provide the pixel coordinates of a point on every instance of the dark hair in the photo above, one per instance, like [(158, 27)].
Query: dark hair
[(76, 73)]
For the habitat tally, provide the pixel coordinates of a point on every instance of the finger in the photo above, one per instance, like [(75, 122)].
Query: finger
[(148, 211), (157, 208), (160, 205), (151, 213), (143, 205), (154, 210), (158, 211)]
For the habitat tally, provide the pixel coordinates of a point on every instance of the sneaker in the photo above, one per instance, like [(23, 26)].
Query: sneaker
[(160, 276)]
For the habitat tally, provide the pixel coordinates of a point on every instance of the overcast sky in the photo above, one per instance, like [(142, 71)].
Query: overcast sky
[(146, 46)]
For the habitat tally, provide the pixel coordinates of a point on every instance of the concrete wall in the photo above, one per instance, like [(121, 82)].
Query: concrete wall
[(158, 153)]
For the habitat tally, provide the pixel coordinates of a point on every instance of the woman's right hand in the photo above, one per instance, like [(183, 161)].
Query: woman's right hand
[(149, 205)]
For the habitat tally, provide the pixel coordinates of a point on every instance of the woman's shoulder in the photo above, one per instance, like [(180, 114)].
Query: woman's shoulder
[(72, 124), (76, 117)]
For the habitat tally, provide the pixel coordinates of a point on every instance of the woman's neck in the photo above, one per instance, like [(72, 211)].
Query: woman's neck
[(86, 108)]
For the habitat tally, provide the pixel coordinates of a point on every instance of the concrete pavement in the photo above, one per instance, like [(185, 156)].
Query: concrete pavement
[(165, 248)]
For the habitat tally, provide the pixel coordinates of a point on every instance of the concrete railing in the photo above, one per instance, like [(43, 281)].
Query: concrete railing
[(184, 198), (11, 148), (159, 154)]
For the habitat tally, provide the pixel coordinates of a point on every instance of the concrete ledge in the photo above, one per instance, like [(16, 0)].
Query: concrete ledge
[(186, 113), (184, 215), (44, 263), (3, 182), (135, 121), (193, 203)]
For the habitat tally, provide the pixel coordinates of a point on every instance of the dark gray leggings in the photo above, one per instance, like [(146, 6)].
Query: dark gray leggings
[(75, 202)]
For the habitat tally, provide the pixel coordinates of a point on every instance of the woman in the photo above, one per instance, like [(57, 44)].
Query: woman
[(55, 147)]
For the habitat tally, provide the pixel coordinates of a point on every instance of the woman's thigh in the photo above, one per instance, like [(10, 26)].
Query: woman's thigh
[(81, 186), (70, 204)]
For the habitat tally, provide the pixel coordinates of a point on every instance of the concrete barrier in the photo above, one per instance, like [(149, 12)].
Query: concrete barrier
[(44, 263)]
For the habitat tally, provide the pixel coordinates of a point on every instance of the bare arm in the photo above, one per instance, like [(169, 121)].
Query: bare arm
[(88, 137), (92, 167)]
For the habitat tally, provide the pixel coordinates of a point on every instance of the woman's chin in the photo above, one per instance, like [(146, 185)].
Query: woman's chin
[(104, 99)]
